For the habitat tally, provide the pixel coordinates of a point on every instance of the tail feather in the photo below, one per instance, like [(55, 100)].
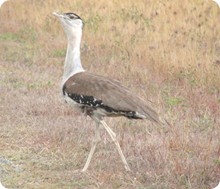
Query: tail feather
[(144, 110)]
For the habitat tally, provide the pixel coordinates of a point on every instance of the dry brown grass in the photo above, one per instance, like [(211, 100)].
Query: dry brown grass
[(168, 52)]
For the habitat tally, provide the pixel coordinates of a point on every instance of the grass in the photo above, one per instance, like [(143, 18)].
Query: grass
[(167, 52)]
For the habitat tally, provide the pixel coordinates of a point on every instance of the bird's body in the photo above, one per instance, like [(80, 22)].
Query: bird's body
[(100, 96), (95, 95)]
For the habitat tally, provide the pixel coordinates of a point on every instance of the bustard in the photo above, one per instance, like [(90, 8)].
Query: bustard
[(94, 95)]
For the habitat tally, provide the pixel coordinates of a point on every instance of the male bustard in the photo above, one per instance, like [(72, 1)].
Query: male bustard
[(94, 95)]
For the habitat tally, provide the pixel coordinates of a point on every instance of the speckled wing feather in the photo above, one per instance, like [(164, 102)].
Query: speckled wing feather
[(110, 93)]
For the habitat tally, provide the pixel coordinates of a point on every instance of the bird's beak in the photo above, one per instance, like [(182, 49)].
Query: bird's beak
[(58, 15)]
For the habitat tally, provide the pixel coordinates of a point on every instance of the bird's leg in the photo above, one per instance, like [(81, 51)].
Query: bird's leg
[(94, 143), (114, 139)]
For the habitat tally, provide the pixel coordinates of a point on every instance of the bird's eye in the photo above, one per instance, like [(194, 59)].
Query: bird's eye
[(72, 16)]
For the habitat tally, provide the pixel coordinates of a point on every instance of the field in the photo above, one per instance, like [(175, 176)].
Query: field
[(168, 52)]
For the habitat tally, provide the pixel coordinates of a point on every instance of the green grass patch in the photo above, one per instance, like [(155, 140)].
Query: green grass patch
[(8, 36), (24, 35), (59, 53), (93, 22), (174, 101)]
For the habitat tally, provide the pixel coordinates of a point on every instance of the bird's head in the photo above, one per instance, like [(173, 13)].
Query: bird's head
[(71, 22)]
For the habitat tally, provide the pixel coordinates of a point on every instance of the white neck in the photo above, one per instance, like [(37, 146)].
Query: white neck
[(72, 62)]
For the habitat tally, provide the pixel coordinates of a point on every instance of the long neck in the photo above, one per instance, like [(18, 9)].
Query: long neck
[(72, 62)]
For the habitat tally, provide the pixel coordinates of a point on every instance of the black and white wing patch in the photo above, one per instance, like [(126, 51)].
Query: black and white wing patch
[(89, 105), (85, 100)]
